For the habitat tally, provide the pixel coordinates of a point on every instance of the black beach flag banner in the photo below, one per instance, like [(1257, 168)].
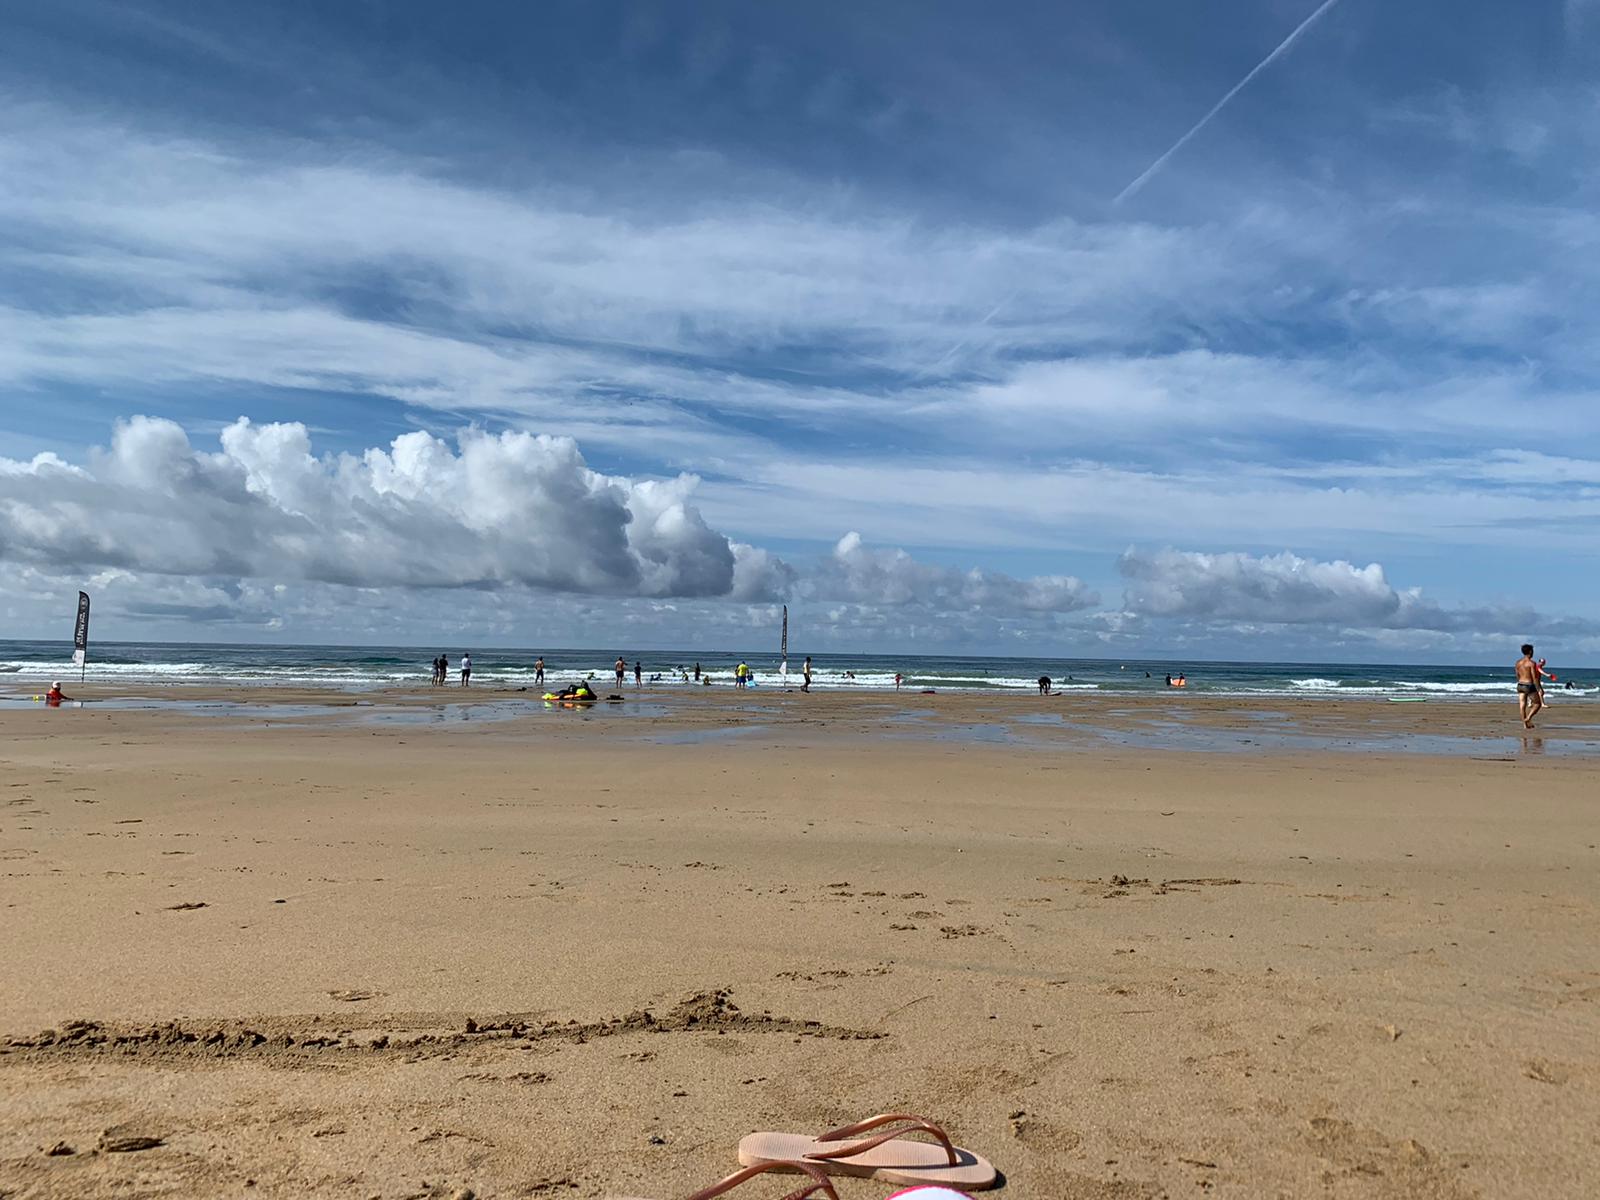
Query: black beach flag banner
[(783, 651), (80, 633)]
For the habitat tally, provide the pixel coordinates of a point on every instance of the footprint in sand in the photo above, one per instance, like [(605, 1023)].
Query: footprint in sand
[(963, 931)]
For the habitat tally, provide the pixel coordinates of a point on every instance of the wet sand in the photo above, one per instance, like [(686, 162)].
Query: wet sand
[(404, 949)]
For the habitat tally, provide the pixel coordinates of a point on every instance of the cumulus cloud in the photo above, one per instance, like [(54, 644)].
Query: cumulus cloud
[(858, 573), (1285, 589), (488, 511), (512, 508)]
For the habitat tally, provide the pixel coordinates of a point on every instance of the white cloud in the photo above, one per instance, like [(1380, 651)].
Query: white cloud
[(507, 509), (1285, 589), (857, 573), (1282, 588), (490, 511)]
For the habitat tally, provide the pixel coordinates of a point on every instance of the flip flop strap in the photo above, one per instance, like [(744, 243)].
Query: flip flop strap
[(819, 1185), (917, 1125)]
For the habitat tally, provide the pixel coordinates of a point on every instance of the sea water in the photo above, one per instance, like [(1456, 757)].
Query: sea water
[(364, 668)]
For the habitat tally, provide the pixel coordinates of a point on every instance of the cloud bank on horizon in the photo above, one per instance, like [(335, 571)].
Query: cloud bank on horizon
[(633, 326)]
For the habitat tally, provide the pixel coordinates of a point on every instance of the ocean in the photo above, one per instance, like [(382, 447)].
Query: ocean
[(359, 668)]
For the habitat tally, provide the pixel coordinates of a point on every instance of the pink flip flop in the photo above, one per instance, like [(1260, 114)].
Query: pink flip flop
[(817, 1186), (888, 1156)]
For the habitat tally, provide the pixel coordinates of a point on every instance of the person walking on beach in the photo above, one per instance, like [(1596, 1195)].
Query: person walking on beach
[(1530, 694), (805, 672), (538, 671), (622, 669), (466, 670)]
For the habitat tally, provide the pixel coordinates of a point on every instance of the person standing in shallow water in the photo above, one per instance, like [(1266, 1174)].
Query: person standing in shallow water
[(638, 673), (805, 672), (466, 670), (538, 671), (1530, 695)]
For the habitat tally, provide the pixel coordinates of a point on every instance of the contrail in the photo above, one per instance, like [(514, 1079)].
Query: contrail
[(970, 334), (1220, 104)]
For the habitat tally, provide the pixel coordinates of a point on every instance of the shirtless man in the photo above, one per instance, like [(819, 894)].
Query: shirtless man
[(1530, 696)]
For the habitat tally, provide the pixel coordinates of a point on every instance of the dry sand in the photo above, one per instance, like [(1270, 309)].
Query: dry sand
[(314, 953)]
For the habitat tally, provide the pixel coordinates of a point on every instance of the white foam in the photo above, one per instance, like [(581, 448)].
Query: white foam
[(1456, 688)]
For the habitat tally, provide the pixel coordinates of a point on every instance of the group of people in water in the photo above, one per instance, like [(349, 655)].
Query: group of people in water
[(441, 670), (1530, 672), (743, 676)]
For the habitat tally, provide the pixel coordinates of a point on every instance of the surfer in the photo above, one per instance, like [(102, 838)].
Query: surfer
[(1530, 694), (1044, 685)]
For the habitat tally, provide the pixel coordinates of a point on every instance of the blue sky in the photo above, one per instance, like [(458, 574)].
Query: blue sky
[(1323, 386)]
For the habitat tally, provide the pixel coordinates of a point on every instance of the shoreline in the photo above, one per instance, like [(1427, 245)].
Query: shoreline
[(1077, 721)]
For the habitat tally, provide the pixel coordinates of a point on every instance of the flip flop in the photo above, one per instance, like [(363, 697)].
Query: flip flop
[(817, 1186), (888, 1156)]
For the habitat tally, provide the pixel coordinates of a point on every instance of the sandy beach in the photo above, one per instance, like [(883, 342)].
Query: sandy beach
[(422, 946)]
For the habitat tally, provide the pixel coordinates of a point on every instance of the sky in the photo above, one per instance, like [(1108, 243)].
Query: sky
[(1257, 329)]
